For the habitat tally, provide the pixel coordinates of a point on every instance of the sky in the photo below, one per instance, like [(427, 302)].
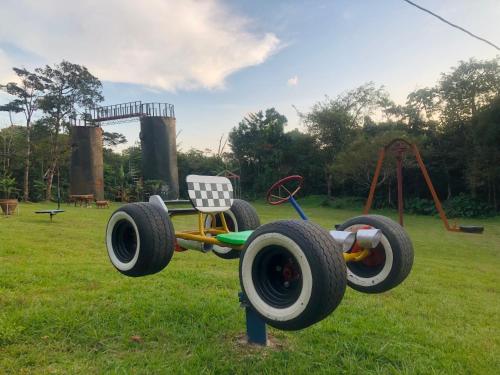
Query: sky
[(218, 60)]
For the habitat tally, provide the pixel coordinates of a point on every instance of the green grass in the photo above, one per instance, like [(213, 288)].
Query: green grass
[(65, 310)]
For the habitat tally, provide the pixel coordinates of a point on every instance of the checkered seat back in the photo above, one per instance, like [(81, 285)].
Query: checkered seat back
[(210, 193)]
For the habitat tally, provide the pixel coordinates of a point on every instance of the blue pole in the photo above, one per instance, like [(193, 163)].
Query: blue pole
[(256, 327), (297, 208)]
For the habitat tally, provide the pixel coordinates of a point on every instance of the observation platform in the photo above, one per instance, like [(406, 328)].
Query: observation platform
[(125, 111)]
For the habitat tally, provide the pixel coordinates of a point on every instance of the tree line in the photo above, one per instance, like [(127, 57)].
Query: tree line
[(59, 93), (455, 123)]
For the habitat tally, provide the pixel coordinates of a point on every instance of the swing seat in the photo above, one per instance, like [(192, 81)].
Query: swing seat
[(471, 229)]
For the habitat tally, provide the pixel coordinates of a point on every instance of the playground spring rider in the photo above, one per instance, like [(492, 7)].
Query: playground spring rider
[(292, 273)]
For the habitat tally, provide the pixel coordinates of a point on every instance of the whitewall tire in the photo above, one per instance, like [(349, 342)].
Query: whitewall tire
[(140, 239), (388, 264), (292, 273)]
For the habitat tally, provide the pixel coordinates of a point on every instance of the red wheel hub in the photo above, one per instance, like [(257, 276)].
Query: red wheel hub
[(289, 273)]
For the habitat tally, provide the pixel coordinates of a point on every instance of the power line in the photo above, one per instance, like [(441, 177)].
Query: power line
[(453, 25)]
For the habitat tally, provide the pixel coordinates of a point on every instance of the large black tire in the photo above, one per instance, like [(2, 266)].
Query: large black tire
[(292, 273), (394, 252), (242, 216), (140, 239)]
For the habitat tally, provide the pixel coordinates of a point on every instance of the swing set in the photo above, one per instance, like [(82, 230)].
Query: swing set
[(398, 147)]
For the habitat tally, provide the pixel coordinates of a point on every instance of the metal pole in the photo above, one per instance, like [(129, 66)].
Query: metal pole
[(369, 201), (399, 160), (58, 193), (441, 212), (298, 208), (256, 327)]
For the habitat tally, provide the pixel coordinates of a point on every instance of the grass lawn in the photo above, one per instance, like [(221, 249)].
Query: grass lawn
[(65, 310)]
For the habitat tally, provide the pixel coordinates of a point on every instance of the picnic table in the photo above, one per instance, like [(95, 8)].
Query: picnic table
[(102, 204), (82, 199)]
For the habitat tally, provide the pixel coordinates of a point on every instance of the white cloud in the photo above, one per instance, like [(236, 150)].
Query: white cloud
[(165, 44), (6, 72), (293, 81)]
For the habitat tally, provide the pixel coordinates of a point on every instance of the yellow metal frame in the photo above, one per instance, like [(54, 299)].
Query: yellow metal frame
[(200, 235), (356, 257)]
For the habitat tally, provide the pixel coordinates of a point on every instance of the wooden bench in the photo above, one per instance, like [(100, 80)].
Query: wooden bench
[(82, 199), (102, 204)]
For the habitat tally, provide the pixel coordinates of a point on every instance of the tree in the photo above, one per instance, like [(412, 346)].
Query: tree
[(257, 144), (28, 94), (7, 143), (69, 89), (197, 162), (420, 111), (470, 86), (301, 157), (333, 122), (113, 139), (462, 94), (355, 166), (485, 158), (114, 173)]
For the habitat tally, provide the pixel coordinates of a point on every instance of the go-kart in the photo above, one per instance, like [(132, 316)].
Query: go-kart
[(292, 272)]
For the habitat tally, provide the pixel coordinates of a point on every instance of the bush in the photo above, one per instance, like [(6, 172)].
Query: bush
[(460, 206), (344, 202), (420, 206), (465, 206), (37, 192), (8, 187)]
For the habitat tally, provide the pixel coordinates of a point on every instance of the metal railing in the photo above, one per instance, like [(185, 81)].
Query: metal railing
[(129, 110)]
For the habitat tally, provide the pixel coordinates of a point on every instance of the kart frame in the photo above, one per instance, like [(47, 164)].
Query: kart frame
[(202, 234), (286, 267), (207, 235)]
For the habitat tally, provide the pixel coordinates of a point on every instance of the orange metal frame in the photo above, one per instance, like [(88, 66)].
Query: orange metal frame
[(400, 146)]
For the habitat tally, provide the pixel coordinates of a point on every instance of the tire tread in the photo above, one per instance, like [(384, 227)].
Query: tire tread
[(157, 238), (402, 249), (327, 266)]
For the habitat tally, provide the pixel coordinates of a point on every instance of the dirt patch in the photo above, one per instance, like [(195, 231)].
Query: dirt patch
[(273, 343)]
